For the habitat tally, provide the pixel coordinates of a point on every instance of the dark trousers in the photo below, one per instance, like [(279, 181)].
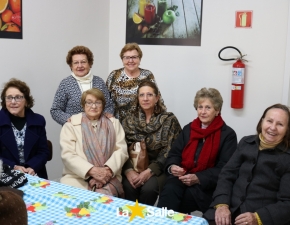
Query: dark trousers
[(146, 194), (182, 198)]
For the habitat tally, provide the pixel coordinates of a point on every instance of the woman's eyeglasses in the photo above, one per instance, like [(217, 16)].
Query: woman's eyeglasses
[(127, 58), (97, 104), (17, 98), (83, 62)]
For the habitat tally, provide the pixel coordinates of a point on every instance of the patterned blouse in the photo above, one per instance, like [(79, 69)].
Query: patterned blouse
[(123, 90), (159, 135), (19, 137)]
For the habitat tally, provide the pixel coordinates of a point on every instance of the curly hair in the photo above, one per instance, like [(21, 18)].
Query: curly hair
[(80, 50), (131, 47), (212, 94), (158, 108), (22, 87), (286, 138), (97, 93)]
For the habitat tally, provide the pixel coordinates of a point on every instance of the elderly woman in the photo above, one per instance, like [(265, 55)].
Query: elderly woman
[(68, 95), (23, 143), (253, 187), (93, 148), (197, 156), (123, 83), (158, 129)]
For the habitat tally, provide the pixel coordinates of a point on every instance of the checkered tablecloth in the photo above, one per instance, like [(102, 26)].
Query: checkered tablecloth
[(50, 203)]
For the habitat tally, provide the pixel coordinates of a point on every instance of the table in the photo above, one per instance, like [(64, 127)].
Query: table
[(49, 202)]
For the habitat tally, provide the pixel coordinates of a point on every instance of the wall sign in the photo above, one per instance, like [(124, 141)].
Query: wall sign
[(244, 19)]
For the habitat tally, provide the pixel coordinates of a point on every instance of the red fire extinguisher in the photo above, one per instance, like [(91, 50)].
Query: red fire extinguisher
[(238, 79)]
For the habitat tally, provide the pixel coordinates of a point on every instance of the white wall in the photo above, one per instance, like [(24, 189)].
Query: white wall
[(182, 70), (51, 29), (54, 27)]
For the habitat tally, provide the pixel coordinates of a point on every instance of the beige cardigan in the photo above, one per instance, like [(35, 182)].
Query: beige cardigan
[(75, 161)]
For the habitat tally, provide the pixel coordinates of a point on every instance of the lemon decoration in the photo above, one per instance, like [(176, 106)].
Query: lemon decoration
[(84, 211), (3, 5), (37, 204), (137, 18)]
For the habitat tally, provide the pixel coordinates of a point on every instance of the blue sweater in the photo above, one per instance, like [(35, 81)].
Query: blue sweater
[(67, 100)]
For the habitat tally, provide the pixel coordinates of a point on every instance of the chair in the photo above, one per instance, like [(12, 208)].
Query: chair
[(49, 144)]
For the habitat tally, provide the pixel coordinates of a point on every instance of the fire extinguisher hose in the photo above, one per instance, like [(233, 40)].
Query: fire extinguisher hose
[(241, 55)]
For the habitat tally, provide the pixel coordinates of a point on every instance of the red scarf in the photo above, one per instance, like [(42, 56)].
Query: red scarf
[(209, 151)]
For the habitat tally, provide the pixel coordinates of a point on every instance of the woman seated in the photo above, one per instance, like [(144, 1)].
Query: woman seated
[(93, 148), (158, 129), (197, 156), (23, 143), (253, 187)]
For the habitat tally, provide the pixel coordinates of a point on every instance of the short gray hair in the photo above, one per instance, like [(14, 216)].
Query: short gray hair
[(212, 94)]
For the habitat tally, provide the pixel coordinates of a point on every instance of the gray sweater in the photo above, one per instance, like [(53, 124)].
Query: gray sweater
[(67, 99)]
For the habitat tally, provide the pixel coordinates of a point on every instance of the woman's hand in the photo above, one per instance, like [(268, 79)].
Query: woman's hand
[(93, 182), (132, 175), (142, 178), (189, 179), (28, 170), (101, 174), (177, 171), (246, 219), (223, 215), (108, 115)]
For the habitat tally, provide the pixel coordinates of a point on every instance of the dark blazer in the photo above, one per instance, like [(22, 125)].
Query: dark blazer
[(35, 143), (256, 181), (208, 178)]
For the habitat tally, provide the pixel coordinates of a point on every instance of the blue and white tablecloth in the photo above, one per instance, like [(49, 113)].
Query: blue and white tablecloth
[(50, 203)]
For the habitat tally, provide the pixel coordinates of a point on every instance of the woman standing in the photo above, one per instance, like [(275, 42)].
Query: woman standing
[(23, 143), (67, 98), (159, 129), (123, 83), (195, 160)]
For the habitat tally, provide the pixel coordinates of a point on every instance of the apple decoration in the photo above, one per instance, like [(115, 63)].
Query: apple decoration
[(84, 209), (34, 207), (168, 17), (42, 184)]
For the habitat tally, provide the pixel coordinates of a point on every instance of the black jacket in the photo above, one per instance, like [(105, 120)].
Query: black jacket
[(35, 144), (208, 178), (257, 181)]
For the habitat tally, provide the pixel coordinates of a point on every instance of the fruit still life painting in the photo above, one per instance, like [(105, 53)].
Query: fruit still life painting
[(158, 21), (10, 18)]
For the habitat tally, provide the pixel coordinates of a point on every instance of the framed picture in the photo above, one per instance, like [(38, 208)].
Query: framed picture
[(164, 22), (11, 19)]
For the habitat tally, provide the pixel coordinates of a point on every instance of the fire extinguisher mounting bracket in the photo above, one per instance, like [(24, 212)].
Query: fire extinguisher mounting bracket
[(238, 58)]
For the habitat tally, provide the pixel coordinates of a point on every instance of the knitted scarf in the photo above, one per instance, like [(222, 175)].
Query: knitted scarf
[(209, 150), (98, 147)]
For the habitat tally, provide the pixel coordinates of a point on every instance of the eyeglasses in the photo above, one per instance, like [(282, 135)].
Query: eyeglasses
[(17, 98), (76, 63), (148, 95), (134, 58), (97, 104)]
